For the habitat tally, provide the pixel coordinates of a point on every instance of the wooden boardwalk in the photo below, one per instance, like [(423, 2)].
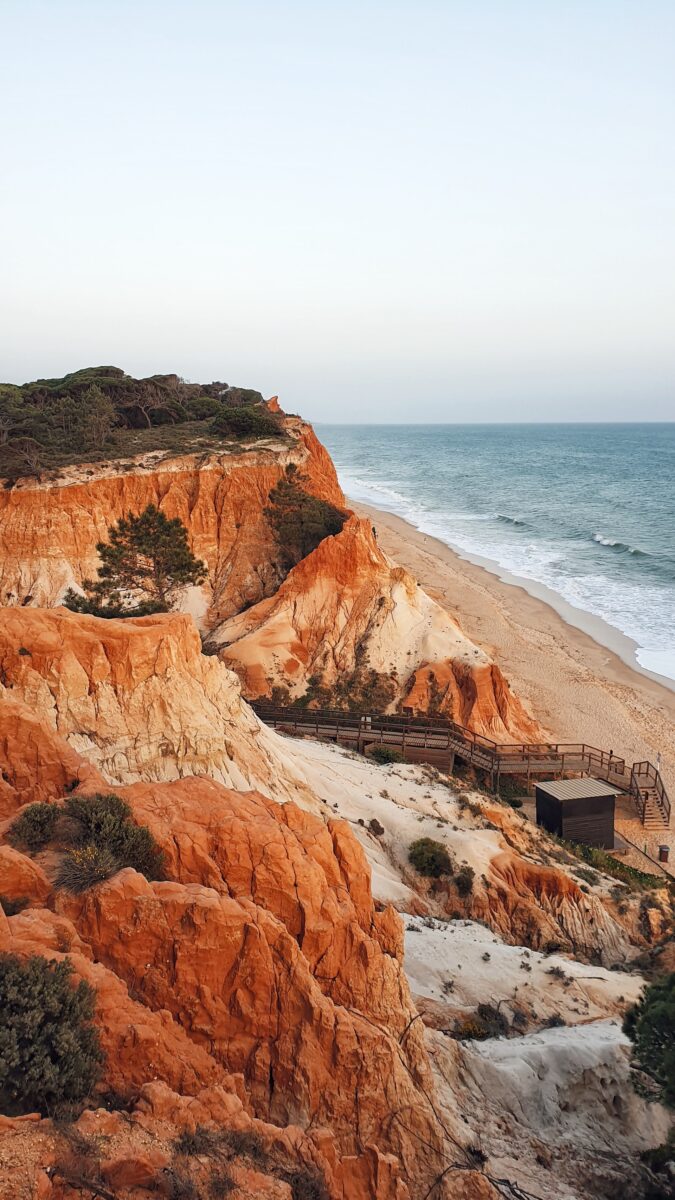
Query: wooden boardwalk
[(439, 742)]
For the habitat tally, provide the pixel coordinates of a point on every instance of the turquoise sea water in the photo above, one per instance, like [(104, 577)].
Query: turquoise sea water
[(586, 510)]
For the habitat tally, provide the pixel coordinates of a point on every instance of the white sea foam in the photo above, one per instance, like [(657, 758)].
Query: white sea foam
[(553, 514), (635, 609)]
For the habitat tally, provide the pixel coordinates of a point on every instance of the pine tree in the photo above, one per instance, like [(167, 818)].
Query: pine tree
[(144, 565), (650, 1025), (300, 521)]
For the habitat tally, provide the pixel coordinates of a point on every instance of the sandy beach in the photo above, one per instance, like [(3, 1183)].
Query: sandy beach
[(578, 689)]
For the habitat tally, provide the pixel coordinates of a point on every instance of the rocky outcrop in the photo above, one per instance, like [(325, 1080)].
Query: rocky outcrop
[(36, 763), (49, 528), (311, 875), (347, 607), (135, 698)]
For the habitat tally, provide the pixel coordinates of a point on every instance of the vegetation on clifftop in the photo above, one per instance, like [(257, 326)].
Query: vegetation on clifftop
[(101, 413)]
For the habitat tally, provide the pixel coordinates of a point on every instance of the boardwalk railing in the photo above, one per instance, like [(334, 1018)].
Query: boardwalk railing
[(441, 739), (645, 784)]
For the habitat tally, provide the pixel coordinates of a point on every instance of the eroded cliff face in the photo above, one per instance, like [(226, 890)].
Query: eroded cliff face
[(347, 606), (259, 988), (343, 608), (136, 698), (49, 529), (274, 981)]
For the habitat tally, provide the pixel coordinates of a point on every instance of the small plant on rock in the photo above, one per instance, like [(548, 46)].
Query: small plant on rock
[(385, 755), (464, 880), (430, 858), (80, 869), (34, 827), (49, 1049), (104, 821)]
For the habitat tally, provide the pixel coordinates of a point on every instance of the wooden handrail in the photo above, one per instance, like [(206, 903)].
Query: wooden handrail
[(439, 734)]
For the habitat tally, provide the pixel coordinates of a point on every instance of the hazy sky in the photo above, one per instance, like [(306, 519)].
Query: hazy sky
[(449, 210)]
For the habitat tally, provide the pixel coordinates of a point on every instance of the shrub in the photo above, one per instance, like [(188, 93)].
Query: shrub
[(493, 1019), (177, 1185), (144, 565), (11, 905), (375, 827), (221, 1184), (34, 827), (557, 972), (300, 521), (305, 1184), (430, 858), (83, 868), (464, 880), (49, 1049), (201, 1140), (650, 1025), (104, 821), (385, 755), (247, 422)]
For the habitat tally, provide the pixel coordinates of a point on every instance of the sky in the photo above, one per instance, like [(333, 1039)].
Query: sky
[(431, 210)]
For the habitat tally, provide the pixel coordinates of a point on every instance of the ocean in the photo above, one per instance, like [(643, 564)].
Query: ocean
[(588, 511)]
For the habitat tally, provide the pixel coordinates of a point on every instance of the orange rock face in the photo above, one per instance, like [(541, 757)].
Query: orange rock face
[(260, 969), (347, 606), (35, 762), (49, 531), (312, 876), (136, 698), (233, 977)]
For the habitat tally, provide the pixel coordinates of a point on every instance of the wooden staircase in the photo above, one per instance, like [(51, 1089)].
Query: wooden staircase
[(433, 740)]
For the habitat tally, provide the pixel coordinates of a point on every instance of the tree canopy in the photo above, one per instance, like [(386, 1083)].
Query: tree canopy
[(93, 413), (300, 521), (144, 565), (650, 1025)]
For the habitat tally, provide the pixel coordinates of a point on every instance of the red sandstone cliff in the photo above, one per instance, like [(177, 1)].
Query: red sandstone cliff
[(347, 606), (49, 529), (344, 606)]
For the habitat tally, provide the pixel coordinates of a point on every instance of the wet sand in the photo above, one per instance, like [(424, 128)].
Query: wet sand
[(577, 688)]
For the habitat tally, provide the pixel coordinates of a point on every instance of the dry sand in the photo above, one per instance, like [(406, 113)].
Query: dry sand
[(579, 689)]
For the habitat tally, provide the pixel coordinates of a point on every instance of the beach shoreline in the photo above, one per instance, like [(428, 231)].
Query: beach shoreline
[(578, 687)]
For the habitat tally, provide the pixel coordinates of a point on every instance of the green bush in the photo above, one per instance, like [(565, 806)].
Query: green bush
[(464, 880), (385, 755), (105, 821), (80, 869), (247, 422), (49, 1050), (34, 827), (300, 521), (650, 1025), (608, 865), (144, 565), (430, 858)]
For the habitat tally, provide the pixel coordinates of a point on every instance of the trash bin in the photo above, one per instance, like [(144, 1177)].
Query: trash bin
[(664, 851)]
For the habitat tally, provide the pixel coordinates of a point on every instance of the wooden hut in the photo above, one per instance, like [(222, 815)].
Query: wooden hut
[(578, 810)]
